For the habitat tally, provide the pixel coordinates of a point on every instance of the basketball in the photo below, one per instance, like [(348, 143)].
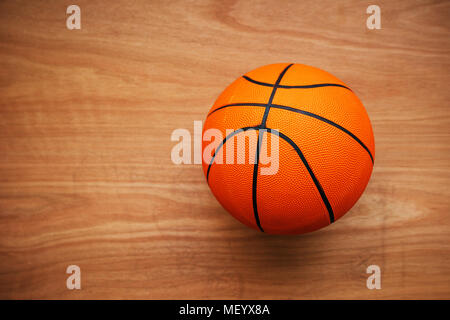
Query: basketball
[(324, 145)]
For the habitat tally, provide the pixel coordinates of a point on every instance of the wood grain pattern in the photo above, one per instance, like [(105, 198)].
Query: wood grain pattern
[(85, 170)]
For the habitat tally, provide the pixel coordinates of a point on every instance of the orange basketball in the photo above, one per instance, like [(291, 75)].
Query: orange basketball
[(325, 149)]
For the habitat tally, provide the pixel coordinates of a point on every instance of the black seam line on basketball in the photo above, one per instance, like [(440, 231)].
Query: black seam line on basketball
[(223, 143), (272, 95), (250, 104), (310, 171), (334, 124), (255, 179), (306, 113), (262, 126), (309, 86)]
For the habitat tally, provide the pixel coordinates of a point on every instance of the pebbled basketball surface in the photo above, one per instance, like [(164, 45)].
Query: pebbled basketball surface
[(326, 148)]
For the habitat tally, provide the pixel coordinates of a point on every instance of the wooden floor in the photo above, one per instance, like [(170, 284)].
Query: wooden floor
[(86, 176)]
